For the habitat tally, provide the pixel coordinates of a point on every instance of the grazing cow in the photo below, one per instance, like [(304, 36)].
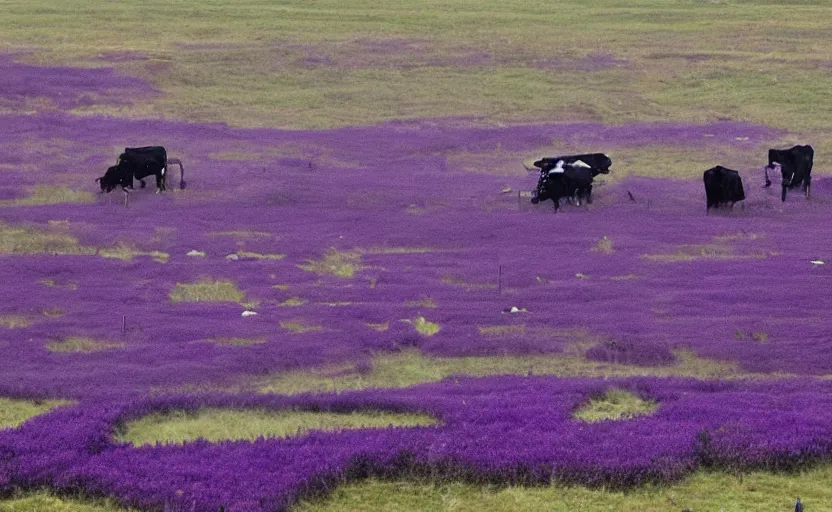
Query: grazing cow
[(139, 163), (594, 163), (567, 182), (722, 186), (598, 162), (794, 165)]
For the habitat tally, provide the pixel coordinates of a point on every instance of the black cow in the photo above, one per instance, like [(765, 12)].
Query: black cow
[(595, 163), (568, 182), (722, 186), (598, 162), (139, 163), (795, 168)]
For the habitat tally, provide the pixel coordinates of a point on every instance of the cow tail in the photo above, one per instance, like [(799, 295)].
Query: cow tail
[(176, 161)]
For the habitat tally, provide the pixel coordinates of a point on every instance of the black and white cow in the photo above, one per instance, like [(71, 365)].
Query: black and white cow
[(598, 162), (570, 182), (723, 186), (579, 172), (139, 163), (794, 167)]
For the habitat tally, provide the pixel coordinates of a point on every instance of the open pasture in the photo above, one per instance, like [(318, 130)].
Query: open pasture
[(353, 305)]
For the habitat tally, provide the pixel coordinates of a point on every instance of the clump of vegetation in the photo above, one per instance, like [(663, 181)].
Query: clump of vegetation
[(82, 345), (29, 240), (14, 321), (604, 245), (336, 263), (217, 424), (126, 252), (298, 326), (422, 326), (293, 301), (615, 404), (15, 412), (206, 290), (48, 194), (237, 342)]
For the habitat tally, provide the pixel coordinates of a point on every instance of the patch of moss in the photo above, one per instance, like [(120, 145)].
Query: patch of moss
[(206, 290), (615, 404), (82, 345)]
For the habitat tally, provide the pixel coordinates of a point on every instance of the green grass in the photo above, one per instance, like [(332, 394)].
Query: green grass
[(408, 368), (82, 345), (15, 412), (206, 290), (46, 501), (703, 491), (215, 424), (47, 194), (336, 263), (127, 252), (247, 63), (615, 404)]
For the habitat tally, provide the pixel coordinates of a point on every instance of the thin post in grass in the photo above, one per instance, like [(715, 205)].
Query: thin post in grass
[(499, 279), (123, 324), (519, 205)]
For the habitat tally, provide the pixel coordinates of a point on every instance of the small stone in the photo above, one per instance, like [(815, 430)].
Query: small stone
[(248, 313), (817, 262), (233, 257), (194, 252)]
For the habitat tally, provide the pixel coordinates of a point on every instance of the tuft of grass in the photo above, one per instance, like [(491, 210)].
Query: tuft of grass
[(604, 246), (16, 240), (380, 327), (82, 345), (206, 290), (411, 367), (299, 326), (336, 263), (259, 256), (495, 331), (126, 252), (424, 327), (237, 342), (69, 285), (46, 501), (425, 302), (615, 404), (48, 194), (293, 301), (15, 321), (758, 491), (215, 424), (53, 312), (462, 283), (15, 412)]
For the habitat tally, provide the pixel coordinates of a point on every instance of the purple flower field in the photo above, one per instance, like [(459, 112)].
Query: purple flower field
[(422, 213)]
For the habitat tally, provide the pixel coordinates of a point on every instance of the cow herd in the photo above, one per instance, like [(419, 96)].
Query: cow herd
[(570, 177)]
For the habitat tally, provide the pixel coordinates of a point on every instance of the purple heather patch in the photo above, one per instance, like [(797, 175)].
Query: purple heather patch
[(592, 62), (67, 87), (499, 430), (390, 201)]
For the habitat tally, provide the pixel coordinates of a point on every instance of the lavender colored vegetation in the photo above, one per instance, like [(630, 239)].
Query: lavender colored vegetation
[(343, 242)]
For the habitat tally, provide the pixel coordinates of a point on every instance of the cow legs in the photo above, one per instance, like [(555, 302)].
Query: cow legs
[(807, 186), (160, 181), (783, 194), (143, 183)]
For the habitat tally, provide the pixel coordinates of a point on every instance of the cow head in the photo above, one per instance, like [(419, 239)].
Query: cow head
[(541, 191), (110, 180), (772, 171)]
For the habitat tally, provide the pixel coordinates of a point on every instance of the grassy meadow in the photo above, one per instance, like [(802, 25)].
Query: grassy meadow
[(335, 64)]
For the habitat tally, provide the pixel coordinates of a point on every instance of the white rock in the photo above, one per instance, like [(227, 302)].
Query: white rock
[(194, 252), (232, 257), (817, 262), (248, 313)]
